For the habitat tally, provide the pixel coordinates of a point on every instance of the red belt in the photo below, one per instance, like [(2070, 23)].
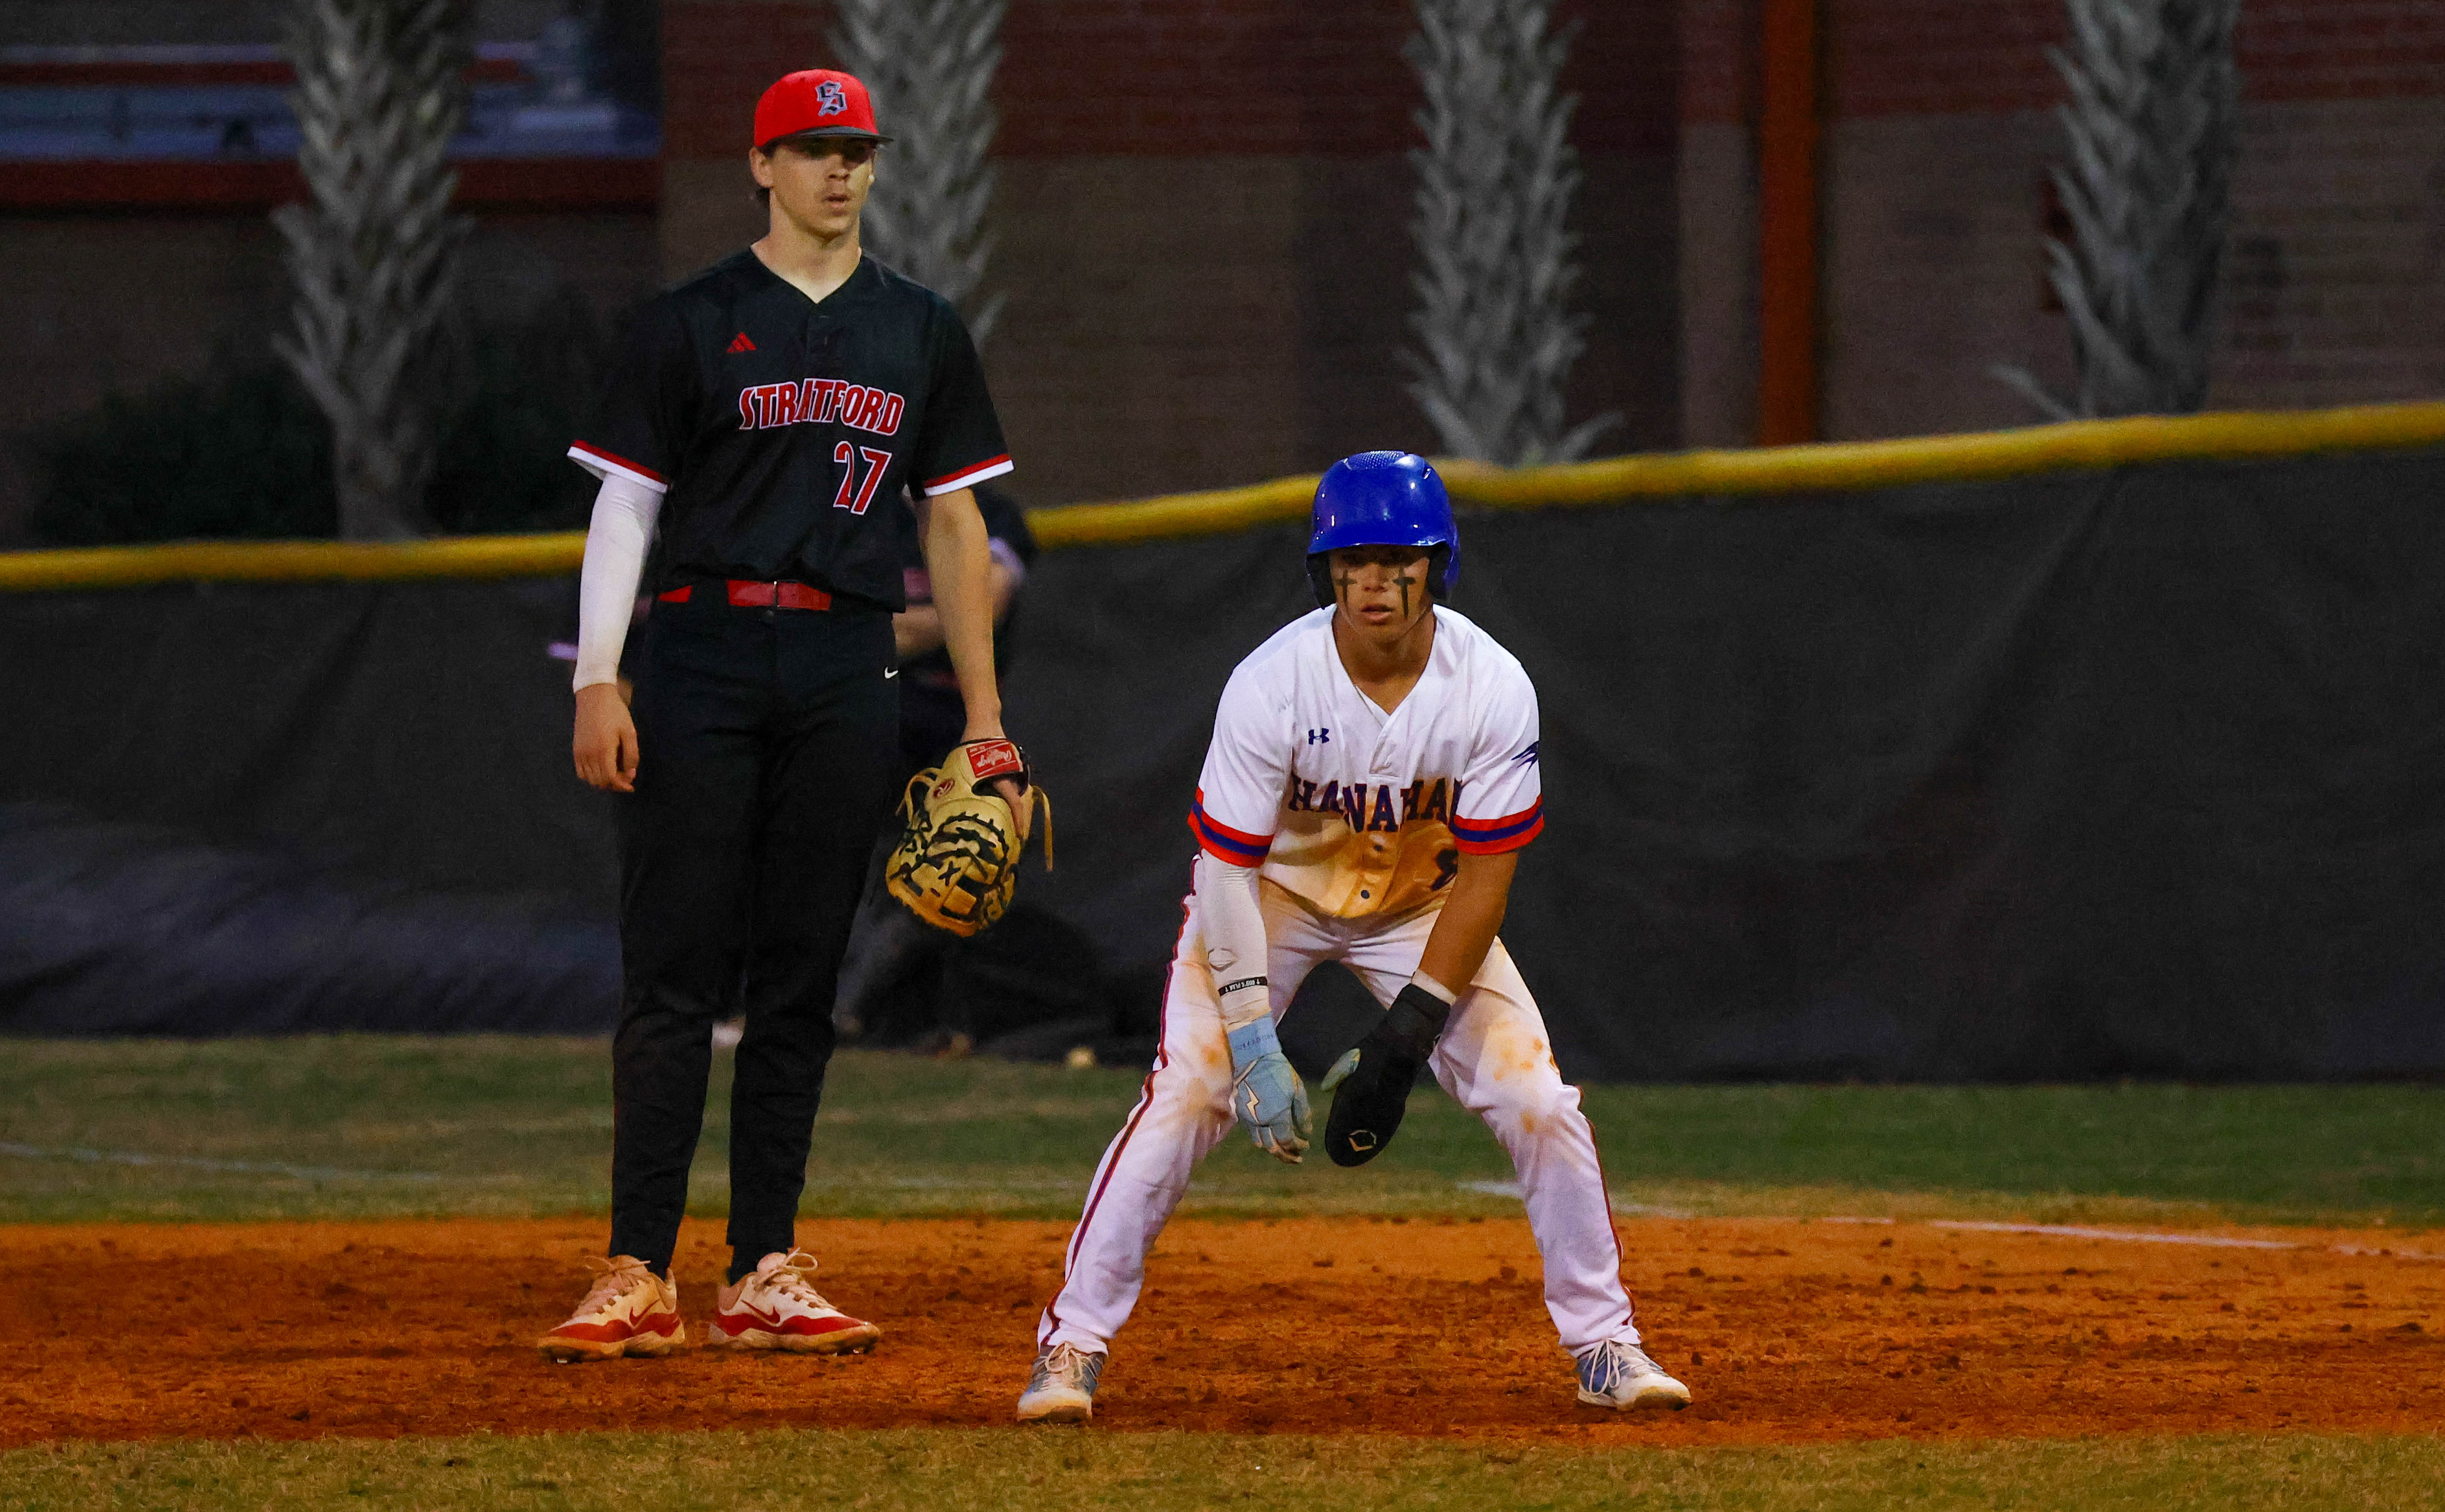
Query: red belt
[(747, 594)]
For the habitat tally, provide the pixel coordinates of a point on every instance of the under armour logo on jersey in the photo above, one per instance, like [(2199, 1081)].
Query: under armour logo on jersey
[(1527, 758), (739, 344), (1319, 736), (830, 99)]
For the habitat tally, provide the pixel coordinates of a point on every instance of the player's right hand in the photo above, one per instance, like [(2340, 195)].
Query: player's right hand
[(605, 745), (1267, 1093)]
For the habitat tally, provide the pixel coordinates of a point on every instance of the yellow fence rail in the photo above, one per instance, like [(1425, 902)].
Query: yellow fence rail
[(1828, 467), (466, 556)]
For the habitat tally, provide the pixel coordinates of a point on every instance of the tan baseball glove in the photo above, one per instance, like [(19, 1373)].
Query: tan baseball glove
[(957, 857)]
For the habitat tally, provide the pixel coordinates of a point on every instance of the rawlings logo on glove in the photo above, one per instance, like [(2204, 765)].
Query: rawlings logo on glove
[(958, 858), (989, 760)]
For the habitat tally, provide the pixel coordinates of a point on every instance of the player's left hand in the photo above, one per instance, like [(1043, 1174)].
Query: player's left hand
[(1267, 1093), (1371, 1084), (1022, 812)]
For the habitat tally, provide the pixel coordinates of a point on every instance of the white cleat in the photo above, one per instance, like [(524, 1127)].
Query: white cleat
[(629, 1312), (1061, 1388), (1618, 1374), (777, 1307)]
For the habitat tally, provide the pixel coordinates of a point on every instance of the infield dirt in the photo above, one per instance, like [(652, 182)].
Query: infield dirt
[(1786, 1331)]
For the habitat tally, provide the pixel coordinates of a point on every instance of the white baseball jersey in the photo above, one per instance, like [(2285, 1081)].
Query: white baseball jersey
[(1360, 813), (1361, 818)]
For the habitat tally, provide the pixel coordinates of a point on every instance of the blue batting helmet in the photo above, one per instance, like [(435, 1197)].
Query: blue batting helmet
[(1384, 498)]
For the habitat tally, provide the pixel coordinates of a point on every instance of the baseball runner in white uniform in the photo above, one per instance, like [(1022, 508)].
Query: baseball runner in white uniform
[(1373, 776)]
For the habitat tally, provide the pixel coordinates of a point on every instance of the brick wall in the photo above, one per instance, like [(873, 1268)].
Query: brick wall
[(117, 302), (120, 300), (1717, 40), (1203, 224), (1202, 220), (2335, 277), (1226, 78), (718, 56), (2341, 50), (1942, 131), (1715, 192), (1939, 57), (1251, 78), (1943, 57), (106, 23)]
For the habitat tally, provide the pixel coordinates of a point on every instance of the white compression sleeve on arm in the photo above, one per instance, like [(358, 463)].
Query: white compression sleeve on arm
[(607, 586), (1234, 929)]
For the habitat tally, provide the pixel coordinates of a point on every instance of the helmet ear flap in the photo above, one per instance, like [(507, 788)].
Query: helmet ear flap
[(1319, 577)]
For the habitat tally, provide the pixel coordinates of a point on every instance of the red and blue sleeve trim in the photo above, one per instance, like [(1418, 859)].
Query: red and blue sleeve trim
[(1486, 838), (1234, 847)]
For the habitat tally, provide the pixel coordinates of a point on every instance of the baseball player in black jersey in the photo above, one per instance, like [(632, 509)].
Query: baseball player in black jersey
[(772, 416)]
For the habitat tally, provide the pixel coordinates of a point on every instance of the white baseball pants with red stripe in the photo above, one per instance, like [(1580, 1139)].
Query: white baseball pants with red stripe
[(1493, 1059)]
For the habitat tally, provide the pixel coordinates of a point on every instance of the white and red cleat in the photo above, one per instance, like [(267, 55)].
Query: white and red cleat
[(779, 1308), (630, 1311)]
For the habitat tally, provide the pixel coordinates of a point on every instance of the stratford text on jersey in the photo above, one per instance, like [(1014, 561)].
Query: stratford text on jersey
[(820, 401)]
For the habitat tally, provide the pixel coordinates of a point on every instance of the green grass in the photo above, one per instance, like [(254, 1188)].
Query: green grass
[(973, 1469), (517, 1126)]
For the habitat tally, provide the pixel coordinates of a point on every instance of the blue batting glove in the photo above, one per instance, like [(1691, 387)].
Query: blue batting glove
[(1267, 1093)]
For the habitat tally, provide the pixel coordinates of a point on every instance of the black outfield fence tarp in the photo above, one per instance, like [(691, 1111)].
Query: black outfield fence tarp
[(298, 809), (2138, 772), (129, 930)]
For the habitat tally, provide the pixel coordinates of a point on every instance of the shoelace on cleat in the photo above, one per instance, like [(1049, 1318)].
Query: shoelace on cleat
[(1073, 1366), (616, 1282), (794, 1277), (1614, 1360)]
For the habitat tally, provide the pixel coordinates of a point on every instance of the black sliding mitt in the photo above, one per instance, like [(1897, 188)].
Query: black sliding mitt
[(1371, 1084)]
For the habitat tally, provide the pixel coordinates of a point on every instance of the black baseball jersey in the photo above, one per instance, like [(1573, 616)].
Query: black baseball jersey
[(783, 431)]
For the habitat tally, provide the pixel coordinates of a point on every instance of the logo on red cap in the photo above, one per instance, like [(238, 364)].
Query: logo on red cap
[(815, 102)]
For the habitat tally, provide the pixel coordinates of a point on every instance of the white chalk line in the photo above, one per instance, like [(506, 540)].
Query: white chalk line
[(2146, 1236), (1621, 1204), (2119, 1236)]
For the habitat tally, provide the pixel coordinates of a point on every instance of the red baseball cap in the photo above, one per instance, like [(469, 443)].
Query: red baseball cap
[(815, 103)]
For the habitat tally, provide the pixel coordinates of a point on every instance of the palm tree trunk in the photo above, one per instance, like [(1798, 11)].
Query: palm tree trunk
[(930, 65), (2153, 126), (1496, 258), (380, 91)]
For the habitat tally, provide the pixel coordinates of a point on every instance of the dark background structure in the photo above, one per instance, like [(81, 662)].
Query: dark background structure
[(1201, 214), (2087, 774)]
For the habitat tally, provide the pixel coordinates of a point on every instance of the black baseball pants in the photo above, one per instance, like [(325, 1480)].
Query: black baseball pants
[(768, 759)]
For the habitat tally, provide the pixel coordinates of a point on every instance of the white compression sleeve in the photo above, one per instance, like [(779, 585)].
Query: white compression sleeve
[(1233, 924), (607, 586)]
